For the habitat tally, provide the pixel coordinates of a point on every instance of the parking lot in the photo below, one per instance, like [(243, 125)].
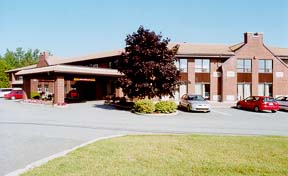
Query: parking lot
[(31, 132)]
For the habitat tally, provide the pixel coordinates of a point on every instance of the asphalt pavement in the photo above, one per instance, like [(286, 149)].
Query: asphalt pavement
[(31, 132)]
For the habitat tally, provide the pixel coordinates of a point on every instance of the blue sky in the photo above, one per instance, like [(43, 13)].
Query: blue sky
[(73, 28)]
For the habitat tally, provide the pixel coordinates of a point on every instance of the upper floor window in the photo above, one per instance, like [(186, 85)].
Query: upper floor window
[(202, 65), (19, 78), (181, 65), (265, 66), (244, 65)]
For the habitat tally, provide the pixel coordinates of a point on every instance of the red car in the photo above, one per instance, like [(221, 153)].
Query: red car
[(258, 103), (14, 94)]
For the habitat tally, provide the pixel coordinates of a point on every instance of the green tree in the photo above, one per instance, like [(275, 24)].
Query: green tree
[(148, 65), (4, 79), (15, 59)]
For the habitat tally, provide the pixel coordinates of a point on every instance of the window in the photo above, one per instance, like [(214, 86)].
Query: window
[(109, 64), (265, 89), (244, 65), (202, 65), (19, 78), (243, 90), (39, 88), (265, 66), (180, 92), (181, 65), (203, 89), (46, 88)]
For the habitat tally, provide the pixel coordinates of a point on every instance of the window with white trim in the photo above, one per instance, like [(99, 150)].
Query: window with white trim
[(265, 66), (202, 65), (181, 64), (244, 65)]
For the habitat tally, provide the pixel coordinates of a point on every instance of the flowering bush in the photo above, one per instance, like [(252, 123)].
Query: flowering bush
[(165, 106), (144, 106)]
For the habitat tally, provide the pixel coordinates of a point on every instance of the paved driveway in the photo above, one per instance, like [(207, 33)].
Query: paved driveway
[(32, 132)]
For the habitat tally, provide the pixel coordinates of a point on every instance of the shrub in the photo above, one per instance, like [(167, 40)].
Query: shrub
[(165, 106), (144, 106), (35, 95)]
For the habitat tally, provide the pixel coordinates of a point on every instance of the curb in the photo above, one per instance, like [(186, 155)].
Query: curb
[(57, 155), (160, 114)]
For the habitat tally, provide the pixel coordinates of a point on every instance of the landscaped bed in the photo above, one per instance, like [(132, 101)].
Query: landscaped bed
[(174, 155)]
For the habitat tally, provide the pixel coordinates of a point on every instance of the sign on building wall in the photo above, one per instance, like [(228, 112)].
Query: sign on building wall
[(230, 74), (279, 74), (217, 74), (85, 79)]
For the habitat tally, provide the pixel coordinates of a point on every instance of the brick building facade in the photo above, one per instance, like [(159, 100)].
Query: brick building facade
[(218, 72)]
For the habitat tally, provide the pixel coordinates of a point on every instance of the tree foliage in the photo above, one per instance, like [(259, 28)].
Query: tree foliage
[(148, 65), (15, 59)]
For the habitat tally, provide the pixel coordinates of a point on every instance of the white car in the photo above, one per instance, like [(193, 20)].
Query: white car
[(194, 103), (4, 91), (283, 102)]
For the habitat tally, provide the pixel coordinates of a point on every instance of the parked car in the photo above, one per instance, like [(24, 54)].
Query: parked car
[(194, 103), (259, 103), (73, 96), (4, 91), (14, 94), (283, 102)]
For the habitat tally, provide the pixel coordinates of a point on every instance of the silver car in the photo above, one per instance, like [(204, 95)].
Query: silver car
[(194, 103), (283, 102)]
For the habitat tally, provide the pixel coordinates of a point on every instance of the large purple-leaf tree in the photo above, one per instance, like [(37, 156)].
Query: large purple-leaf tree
[(148, 65)]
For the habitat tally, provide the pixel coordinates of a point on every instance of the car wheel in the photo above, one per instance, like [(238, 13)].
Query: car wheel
[(238, 106), (12, 98), (189, 108), (273, 111), (256, 109)]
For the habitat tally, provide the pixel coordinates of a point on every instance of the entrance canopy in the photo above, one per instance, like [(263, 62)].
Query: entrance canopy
[(71, 69)]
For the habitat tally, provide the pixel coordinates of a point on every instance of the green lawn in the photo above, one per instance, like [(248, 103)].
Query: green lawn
[(174, 155)]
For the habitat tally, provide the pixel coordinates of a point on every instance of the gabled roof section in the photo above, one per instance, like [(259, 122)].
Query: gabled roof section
[(53, 60), (203, 49), (280, 52), (236, 46), (89, 57), (22, 68)]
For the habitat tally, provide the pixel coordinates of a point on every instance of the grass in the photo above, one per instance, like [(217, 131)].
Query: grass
[(174, 155)]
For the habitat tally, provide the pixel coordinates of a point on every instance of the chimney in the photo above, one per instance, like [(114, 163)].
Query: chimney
[(43, 57), (256, 38)]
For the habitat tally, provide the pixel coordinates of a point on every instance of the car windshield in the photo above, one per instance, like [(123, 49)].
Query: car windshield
[(196, 98), (268, 99)]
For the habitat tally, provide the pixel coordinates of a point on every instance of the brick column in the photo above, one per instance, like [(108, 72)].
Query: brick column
[(191, 76), (213, 80), (59, 90), (255, 76), (119, 93), (27, 87)]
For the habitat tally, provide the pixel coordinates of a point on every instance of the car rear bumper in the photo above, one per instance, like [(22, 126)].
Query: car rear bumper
[(271, 108)]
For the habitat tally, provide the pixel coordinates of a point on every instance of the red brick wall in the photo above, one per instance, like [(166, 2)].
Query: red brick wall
[(280, 84), (191, 76), (254, 49), (214, 80), (59, 90), (229, 79)]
